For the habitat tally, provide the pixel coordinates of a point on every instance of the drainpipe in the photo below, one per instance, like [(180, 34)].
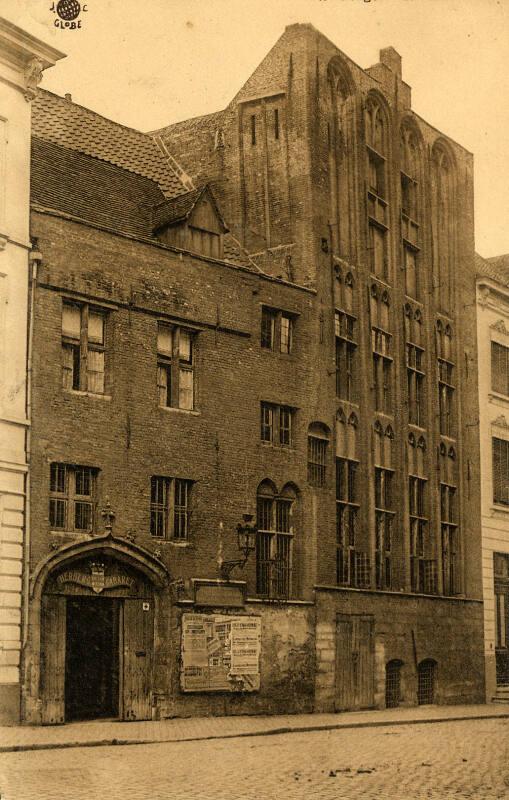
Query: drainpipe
[(34, 258)]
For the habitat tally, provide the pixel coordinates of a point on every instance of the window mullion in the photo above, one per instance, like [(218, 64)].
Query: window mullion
[(175, 368), (84, 348), (170, 509)]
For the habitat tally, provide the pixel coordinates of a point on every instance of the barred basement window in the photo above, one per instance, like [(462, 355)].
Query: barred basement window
[(317, 455), (450, 543), (500, 471), (72, 497), (83, 347), (393, 683), (175, 366), (384, 517), (426, 682), (170, 508), (415, 384), (274, 542), (500, 368), (276, 330), (346, 347)]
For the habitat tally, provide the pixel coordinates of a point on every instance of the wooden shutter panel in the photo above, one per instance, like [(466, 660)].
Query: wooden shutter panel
[(138, 636), (53, 659)]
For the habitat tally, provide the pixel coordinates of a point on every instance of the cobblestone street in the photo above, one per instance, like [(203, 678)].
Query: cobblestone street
[(442, 760)]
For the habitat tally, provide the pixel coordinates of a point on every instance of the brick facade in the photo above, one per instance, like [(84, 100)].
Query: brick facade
[(296, 189)]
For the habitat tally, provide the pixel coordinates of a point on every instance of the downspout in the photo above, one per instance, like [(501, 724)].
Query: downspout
[(34, 261)]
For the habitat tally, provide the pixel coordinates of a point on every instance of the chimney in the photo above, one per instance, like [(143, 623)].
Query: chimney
[(390, 58), (68, 97)]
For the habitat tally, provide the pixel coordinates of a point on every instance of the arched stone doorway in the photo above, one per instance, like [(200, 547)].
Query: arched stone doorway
[(94, 609)]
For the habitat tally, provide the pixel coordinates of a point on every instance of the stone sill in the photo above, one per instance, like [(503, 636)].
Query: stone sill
[(173, 409), (93, 395)]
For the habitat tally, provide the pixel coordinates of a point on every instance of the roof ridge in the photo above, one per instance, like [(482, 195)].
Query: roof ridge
[(161, 131), (91, 111)]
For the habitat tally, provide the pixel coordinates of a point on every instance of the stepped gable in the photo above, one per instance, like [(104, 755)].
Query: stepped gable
[(58, 120)]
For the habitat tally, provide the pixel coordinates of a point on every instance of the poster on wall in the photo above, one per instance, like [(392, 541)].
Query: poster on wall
[(220, 653)]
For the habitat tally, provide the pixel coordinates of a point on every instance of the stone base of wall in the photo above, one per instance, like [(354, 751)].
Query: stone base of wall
[(9, 704), (409, 629)]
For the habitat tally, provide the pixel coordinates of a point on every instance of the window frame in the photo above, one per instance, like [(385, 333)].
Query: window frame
[(345, 355), (174, 517), (278, 335), (272, 541), (81, 347), (384, 526), (449, 536), (70, 498), (415, 355), (347, 520), (272, 427), (171, 366), (500, 480), (317, 460)]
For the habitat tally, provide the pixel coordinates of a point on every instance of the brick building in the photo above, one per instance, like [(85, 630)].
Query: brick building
[(269, 309)]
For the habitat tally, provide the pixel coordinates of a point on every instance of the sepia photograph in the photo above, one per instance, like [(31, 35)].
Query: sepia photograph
[(254, 400)]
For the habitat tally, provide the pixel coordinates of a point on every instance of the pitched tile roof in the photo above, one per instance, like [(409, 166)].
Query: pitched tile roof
[(193, 124), (99, 193), (496, 268), (74, 127), (70, 182)]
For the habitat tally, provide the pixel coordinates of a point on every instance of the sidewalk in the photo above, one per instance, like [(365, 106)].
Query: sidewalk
[(107, 732)]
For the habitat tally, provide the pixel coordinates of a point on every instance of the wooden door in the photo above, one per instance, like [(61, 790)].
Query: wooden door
[(137, 645), (355, 662), (53, 632)]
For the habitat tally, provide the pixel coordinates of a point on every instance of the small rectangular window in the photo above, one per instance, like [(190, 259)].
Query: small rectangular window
[(175, 366), (83, 347), (285, 425), (72, 497), (276, 332), (170, 508), (276, 424)]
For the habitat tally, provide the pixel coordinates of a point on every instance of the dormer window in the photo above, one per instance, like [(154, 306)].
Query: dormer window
[(191, 222)]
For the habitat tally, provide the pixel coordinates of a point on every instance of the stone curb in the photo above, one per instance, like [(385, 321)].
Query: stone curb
[(21, 748)]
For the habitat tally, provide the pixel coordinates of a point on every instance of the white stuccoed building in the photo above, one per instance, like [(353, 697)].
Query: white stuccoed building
[(23, 58), (493, 344)]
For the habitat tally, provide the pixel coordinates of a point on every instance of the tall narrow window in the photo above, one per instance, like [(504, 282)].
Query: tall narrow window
[(350, 567), (376, 145), (384, 516), (415, 383), (450, 545), (253, 129), (443, 229), (422, 568), (170, 508), (83, 346), (72, 497), (382, 369), (346, 347), (500, 368), (267, 422), (274, 544), (276, 123), (500, 471), (410, 158), (175, 366), (445, 379)]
